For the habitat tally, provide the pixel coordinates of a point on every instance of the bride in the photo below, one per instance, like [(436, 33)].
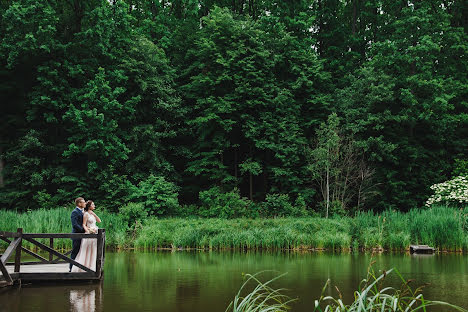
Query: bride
[(88, 249)]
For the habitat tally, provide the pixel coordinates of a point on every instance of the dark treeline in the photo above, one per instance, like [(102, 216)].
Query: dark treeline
[(359, 103)]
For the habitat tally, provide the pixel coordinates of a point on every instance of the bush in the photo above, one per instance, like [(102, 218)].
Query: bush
[(216, 203), (299, 208), (133, 213), (278, 205), (453, 192), (158, 196)]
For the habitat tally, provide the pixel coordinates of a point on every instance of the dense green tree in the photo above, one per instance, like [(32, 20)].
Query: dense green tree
[(402, 103), (108, 98), (248, 88)]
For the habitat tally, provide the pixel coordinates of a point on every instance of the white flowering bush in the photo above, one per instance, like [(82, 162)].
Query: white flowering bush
[(453, 191)]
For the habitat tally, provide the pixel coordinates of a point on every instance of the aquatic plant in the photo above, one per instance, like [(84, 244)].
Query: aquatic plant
[(262, 298), (373, 296), (441, 227)]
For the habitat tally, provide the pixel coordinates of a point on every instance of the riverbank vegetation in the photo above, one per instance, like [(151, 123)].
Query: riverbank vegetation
[(442, 227)]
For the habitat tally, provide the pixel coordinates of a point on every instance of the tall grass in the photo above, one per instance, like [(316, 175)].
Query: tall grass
[(371, 296), (58, 221), (262, 298), (288, 233), (442, 227)]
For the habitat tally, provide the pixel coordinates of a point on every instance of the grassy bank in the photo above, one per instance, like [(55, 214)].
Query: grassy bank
[(441, 227)]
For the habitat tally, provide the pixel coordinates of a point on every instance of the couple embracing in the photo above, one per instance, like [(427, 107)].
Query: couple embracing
[(84, 220)]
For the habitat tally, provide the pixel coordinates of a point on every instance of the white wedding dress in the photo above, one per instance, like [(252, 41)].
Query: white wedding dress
[(88, 249)]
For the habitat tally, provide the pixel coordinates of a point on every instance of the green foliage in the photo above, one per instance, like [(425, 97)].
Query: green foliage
[(441, 227), (98, 97), (57, 220), (461, 167), (133, 213), (262, 298), (337, 167), (277, 205), (157, 195), (373, 295), (219, 204)]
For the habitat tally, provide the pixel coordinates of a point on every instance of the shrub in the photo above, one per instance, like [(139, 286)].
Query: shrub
[(158, 196), (454, 191), (299, 208), (133, 213), (216, 203), (277, 205)]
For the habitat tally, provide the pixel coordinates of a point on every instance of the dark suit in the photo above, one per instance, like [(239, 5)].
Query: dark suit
[(77, 227)]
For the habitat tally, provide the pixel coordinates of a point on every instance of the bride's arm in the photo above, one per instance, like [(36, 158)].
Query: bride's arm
[(85, 219), (96, 216)]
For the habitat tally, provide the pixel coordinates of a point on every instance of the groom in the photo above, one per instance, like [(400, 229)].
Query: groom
[(77, 225)]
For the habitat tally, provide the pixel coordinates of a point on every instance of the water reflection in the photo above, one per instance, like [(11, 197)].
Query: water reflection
[(83, 300), (208, 281)]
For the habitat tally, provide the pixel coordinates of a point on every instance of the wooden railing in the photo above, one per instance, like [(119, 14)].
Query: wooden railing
[(15, 239)]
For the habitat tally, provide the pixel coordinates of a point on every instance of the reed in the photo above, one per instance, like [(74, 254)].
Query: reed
[(261, 299), (372, 296), (442, 227), (57, 220)]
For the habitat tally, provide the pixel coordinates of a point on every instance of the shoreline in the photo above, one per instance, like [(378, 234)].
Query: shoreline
[(443, 228), (293, 250)]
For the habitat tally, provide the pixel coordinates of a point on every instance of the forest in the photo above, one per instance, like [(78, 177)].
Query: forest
[(233, 108)]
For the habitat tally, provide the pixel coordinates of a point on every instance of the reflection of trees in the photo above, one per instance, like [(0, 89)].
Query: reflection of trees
[(187, 289)]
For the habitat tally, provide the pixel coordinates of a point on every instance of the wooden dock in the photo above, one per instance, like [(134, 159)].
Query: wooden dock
[(53, 268), (421, 249)]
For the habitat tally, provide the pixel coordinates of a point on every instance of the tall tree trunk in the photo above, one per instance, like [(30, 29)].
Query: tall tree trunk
[(1, 168), (354, 17), (328, 191), (251, 188), (235, 163)]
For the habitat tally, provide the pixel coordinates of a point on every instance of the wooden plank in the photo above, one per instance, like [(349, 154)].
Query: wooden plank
[(57, 276), (29, 252), (59, 235), (9, 234), (10, 250), (26, 263), (18, 253), (5, 274), (50, 272), (421, 249), (56, 253), (51, 245), (57, 260), (99, 253), (43, 268)]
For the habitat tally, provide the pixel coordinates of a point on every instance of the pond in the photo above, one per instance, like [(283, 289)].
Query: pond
[(208, 281)]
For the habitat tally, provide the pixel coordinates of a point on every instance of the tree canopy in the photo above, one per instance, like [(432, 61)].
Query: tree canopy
[(119, 100)]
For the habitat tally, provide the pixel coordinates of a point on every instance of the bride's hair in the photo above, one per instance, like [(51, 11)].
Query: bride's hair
[(88, 204)]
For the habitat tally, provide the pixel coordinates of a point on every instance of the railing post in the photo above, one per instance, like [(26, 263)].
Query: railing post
[(51, 245), (100, 245), (18, 251)]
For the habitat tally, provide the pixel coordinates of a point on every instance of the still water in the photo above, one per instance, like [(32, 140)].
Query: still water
[(208, 281)]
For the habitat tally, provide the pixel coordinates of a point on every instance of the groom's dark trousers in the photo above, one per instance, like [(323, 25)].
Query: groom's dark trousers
[(77, 227)]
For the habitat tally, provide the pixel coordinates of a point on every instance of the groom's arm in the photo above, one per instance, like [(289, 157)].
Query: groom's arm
[(76, 224)]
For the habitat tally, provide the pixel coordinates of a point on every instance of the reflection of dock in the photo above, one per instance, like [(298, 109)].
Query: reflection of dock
[(55, 268)]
